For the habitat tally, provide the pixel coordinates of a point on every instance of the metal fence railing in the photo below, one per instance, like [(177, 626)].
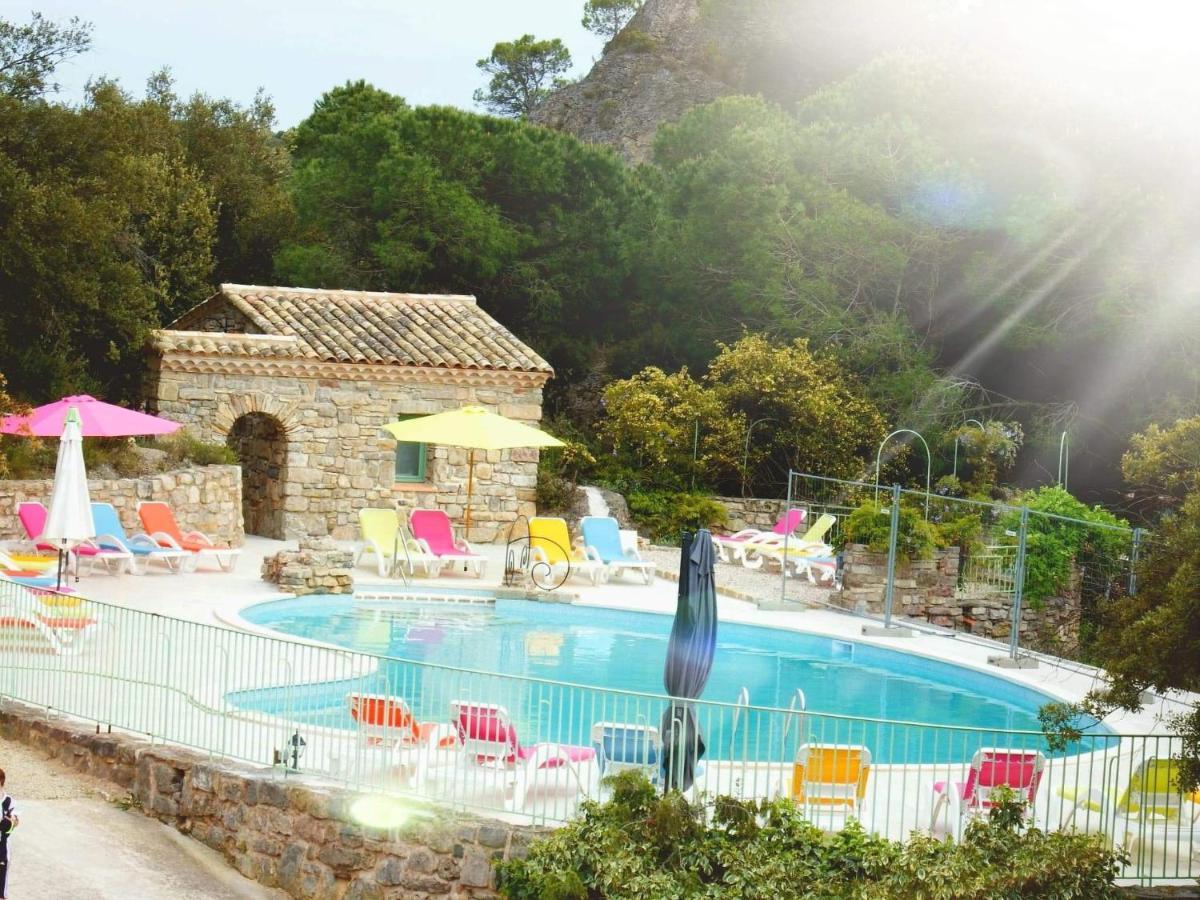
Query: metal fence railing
[(535, 748), (1011, 581)]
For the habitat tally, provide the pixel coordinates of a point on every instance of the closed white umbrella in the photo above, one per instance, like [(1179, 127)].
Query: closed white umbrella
[(69, 521)]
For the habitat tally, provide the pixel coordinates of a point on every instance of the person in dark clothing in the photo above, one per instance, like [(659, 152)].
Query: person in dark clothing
[(8, 821)]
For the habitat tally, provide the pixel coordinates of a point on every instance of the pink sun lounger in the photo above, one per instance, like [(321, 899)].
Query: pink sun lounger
[(488, 738), (730, 547), (1019, 770), (433, 533), (33, 519)]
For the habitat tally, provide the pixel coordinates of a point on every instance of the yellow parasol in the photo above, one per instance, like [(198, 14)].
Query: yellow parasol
[(473, 428)]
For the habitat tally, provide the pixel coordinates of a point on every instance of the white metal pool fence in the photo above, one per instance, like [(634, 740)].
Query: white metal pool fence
[(1002, 558), (519, 746)]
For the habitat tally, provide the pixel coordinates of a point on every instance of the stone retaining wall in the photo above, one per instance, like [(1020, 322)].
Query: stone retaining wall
[(753, 512), (279, 831), (204, 498), (926, 591)]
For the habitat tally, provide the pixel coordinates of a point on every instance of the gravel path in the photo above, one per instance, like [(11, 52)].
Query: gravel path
[(74, 842)]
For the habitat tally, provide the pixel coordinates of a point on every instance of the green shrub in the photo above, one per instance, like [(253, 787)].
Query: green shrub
[(640, 844), (183, 449), (663, 515), (871, 524), (635, 41), (117, 454), (1052, 545), (554, 493), (27, 457)]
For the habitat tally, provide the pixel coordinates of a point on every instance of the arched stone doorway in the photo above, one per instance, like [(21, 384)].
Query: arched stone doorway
[(260, 442)]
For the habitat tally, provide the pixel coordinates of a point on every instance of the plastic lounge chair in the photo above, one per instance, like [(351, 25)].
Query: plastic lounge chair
[(140, 547), (488, 738), (833, 776), (434, 535), (810, 545), (160, 525), (382, 537), (23, 573), (1018, 770), (32, 515), (730, 547), (1149, 809), (550, 544), (385, 720), (602, 536), (26, 625), (620, 748)]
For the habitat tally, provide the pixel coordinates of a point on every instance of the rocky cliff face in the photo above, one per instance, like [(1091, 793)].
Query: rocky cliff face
[(676, 54), (647, 76)]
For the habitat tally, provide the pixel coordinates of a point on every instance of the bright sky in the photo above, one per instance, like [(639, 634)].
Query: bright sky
[(424, 51)]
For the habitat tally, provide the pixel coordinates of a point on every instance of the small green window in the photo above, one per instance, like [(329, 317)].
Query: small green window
[(410, 459)]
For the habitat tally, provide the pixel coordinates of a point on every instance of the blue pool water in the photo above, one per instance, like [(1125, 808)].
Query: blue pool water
[(624, 651)]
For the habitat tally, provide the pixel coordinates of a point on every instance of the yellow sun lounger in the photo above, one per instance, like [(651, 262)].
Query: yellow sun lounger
[(550, 544)]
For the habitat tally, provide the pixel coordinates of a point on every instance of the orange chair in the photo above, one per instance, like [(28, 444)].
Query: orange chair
[(388, 721), (831, 775), (160, 524)]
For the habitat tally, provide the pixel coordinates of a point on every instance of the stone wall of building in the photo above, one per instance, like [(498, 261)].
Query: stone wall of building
[(926, 591), (259, 442), (335, 458), (204, 498), (283, 832)]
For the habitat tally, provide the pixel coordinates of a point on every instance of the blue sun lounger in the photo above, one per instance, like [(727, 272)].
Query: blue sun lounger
[(110, 534), (602, 537), (620, 747)]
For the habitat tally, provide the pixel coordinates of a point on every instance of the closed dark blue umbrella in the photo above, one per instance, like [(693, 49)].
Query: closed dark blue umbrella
[(690, 654)]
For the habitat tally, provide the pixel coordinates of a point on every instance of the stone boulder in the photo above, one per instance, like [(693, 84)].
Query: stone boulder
[(320, 566)]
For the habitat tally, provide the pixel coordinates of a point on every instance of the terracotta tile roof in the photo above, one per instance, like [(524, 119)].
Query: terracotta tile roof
[(210, 343), (442, 331)]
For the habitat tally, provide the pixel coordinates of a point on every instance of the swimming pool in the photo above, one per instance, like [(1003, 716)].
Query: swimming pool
[(607, 651)]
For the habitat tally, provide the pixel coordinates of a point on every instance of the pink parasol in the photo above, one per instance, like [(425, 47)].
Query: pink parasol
[(97, 418)]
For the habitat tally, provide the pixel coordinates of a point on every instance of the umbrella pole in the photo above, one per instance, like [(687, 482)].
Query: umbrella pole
[(470, 487)]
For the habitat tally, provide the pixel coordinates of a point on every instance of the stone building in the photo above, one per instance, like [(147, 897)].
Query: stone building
[(300, 382)]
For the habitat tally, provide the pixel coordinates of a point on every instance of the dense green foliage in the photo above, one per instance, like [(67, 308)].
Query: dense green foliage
[(31, 457), (871, 524), (912, 217), (676, 430), (640, 844), (664, 515), (30, 53), (753, 235), (521, 73), (988, 449), (435, 199), (1062, 532), (117, 215), (1150, 640), (1162, 466), (607, 17)]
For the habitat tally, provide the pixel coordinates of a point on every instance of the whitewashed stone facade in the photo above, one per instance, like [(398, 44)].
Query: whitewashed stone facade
[(314, 448)]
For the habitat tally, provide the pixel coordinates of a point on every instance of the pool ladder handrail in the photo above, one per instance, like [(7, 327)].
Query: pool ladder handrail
[(402, 539), (517, 566), (741, 708), (797, 708)]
